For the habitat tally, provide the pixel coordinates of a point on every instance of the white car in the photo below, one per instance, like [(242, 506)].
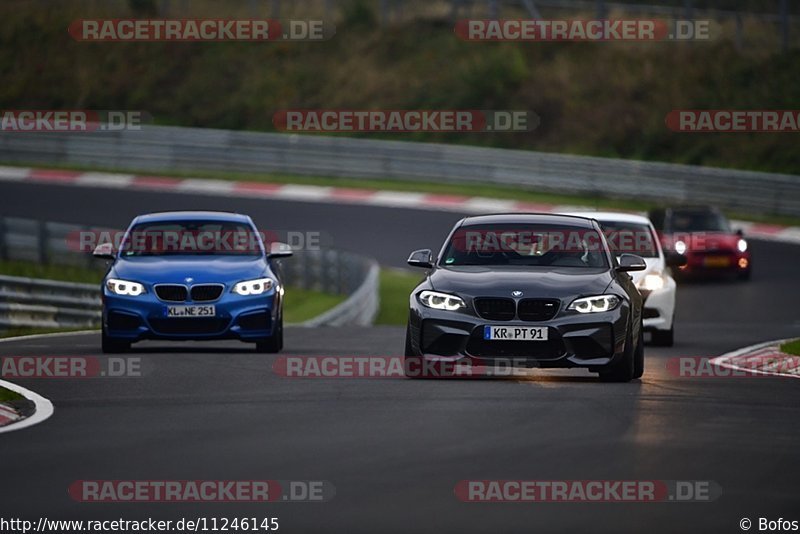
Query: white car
[(635, 234)]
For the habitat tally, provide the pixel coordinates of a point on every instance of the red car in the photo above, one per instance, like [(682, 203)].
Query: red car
[(705, 237)]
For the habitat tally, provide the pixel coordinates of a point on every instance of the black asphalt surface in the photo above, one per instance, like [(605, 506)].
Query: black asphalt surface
[(394, 448)]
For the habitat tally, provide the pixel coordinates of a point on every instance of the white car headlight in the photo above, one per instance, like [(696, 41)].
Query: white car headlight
[(600, 303), (741, 245), (253, 287), (125, 287), (680, 247), (652, 282), (441, 301)]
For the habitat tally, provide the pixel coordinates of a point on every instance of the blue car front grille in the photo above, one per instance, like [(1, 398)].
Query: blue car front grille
[(171, 292)]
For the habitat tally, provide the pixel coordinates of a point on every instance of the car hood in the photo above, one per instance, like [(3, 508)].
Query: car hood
[(477, 281), (202, 269)]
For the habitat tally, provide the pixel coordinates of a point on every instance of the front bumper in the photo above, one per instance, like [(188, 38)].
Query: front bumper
[(715, 262), (575, 340), (248, 318), (659, 307)]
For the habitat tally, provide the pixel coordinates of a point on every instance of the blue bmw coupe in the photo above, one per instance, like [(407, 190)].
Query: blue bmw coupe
[(192, 275)]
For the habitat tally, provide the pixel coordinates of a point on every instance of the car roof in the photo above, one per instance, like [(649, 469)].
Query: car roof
[(608, 216), (529, 218), (222, 216)]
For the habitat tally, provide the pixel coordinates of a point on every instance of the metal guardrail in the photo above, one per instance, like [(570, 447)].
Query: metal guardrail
[(160, 148), (360, 308), (31, 303)]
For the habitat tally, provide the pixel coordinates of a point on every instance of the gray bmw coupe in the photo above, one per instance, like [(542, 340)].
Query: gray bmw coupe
[(526, 290)]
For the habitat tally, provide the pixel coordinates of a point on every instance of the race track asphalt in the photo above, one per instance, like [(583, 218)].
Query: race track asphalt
[(393, 448)]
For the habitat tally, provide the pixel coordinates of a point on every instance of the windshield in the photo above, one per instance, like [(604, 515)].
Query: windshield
[(631, 238), (526, 245), (191, 238), (698, 221)]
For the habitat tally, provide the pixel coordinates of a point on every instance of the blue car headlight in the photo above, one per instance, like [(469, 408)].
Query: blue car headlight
[(253, 287), (125, 287), (600, 303)]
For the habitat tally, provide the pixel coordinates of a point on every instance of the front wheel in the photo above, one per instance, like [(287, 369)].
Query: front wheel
[(110, 345), (623, 370), (638, 356), (273, 343)]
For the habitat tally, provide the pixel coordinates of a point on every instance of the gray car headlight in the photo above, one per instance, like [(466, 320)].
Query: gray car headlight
[(441, 301), (253, 287), (125, 287), (600, 303)]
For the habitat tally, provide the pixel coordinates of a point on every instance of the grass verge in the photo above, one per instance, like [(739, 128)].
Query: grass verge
[(8, 395), (395, 287), (791, 347), (62, 273), (302, 304)]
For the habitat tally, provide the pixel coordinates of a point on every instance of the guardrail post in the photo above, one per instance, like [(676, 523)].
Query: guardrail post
[(3, 251)]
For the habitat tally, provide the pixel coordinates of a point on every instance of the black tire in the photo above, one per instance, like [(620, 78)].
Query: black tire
[(663, 338), (273, 343), (411, 362), (623, 370), (638, 356), (110, 345), (744, 275)]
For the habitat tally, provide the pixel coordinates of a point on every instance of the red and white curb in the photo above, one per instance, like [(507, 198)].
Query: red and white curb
[(330, 195), (773, 362), (44, 408), (7, 415)]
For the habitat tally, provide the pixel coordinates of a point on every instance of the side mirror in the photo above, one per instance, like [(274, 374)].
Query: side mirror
[(740, 232), (673, 259), (104, 251), (421, 258), (631, 262), (279, 250)]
